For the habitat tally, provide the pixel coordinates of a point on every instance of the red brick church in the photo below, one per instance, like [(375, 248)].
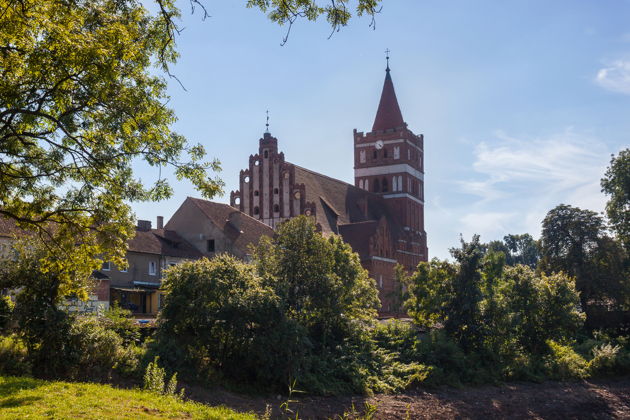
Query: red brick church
[(381, 216)]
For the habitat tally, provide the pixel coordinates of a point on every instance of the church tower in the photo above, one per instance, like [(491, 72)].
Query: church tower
[(389, 161)]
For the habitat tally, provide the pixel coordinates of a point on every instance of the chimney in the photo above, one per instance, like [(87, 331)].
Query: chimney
[(160, 222), (144, 225), (235, 220)]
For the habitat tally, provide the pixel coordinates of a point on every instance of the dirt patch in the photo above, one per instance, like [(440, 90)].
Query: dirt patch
[(596, 399)]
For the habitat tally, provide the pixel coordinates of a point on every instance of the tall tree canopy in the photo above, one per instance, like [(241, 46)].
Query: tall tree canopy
[(616, 184)]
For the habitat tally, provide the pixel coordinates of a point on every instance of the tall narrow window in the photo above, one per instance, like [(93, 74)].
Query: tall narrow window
[(366, 186), (152, 268), (400, 188), (266, 153), (256, 211), (384, 186), (394, 184), (361, 183), (210, 245), (376, 186), (276, 208), (374, 154), (362, 156), (385, 152), (397, 152)]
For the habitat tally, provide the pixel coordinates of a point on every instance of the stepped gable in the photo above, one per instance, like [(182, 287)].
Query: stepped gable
[(162, 242), (222, 215), (358, 236)]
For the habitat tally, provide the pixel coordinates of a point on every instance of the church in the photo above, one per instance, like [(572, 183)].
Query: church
[(381, 216)]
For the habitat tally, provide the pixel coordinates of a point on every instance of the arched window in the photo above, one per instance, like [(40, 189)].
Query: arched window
[(361, 183), (395, 184), (266, 153), (275, 191), (384, 186), (400, 183), (256, 193), (376, 186), (366, 187), (276, 208), (256, 211), (397, 152)]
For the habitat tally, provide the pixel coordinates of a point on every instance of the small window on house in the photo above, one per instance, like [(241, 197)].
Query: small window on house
[(384, 185), (256, 211), (276, 191), (210, 245), (276, 208), (256, 193), (106, 266), (152, 268)]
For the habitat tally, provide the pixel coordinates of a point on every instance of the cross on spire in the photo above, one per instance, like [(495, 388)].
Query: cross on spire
[(387, 51), (267, 124)]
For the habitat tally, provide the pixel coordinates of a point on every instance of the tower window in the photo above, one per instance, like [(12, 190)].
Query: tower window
[(374, 154), (362, 156), (366, 186), (256, 211), (385, 152), (266, 154), (384, 185), (376, 186), (276, 208), (397, 152), (275, 191), (256, 193), (394, 184), (210, 245)]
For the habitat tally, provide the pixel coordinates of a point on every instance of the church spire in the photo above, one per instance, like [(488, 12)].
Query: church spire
[(388, 114)]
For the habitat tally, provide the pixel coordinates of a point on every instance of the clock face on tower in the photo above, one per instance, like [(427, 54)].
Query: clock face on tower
[(379, 144)]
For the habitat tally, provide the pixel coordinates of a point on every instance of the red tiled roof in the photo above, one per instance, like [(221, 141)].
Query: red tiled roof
[(162, 242), (8, 227), (388, 114), (249, 232)]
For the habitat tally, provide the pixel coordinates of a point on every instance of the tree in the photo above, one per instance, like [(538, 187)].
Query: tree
[(320, 280), (616, 184), (79, 105), (219, 316), (574, 241)]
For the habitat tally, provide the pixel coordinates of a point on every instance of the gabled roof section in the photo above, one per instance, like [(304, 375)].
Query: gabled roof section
[(162, 242), (388, 114), (238, 226), (337, 202)]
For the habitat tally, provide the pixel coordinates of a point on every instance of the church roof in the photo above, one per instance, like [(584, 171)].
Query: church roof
[(388, 114)]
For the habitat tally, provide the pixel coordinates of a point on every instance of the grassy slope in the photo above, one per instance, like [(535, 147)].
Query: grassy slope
[(30, 398)]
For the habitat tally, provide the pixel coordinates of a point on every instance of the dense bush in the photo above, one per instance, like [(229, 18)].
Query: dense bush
[(6, 311), (14, 358)]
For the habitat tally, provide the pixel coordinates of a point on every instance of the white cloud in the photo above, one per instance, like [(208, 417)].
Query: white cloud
[(517, 181), (615, 77)]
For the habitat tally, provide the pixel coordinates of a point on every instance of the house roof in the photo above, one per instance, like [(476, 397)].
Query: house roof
[(162, 242), (388, 114), (242, 229), (8, 227)]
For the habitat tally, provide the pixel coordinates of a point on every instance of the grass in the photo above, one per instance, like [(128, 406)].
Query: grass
[(22, 398)]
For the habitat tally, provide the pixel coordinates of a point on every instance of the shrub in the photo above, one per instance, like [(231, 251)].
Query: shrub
[(154, 380), (564, 363), (92, 350), (6, 309), (129, 361), (122, 322), (604, 359), (14, 357)]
